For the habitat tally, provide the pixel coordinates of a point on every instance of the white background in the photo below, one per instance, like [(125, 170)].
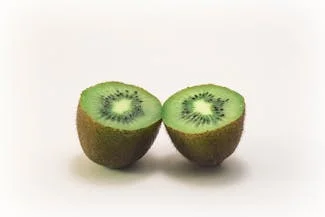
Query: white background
[(272, 52)]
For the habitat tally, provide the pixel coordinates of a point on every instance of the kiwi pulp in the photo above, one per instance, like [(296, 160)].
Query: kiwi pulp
[(117, 123), (205, 122)]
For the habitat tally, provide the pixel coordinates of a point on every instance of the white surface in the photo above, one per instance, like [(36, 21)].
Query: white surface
[(270, 52)]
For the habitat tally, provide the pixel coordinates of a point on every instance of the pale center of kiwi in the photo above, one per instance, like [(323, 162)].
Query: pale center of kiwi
[(121, 106), (202, 107)]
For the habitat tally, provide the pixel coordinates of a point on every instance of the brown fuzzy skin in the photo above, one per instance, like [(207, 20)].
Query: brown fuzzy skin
[(111, 147), (209, 148)]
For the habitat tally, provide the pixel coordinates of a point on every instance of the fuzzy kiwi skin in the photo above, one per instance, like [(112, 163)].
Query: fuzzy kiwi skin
[(208, 148), (111, 147)]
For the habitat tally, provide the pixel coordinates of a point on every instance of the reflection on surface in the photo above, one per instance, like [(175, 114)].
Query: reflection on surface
[(86, 170), (229, 172), (174, 166)]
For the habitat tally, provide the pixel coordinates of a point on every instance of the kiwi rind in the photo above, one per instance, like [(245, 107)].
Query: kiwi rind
[(112, 147), (209, 148)]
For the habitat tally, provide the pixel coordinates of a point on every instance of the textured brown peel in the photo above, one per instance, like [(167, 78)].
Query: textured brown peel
[(209, 148), (111, 147)]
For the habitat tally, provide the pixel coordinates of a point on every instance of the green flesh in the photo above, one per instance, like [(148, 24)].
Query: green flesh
[(202, 108), (120, 106)]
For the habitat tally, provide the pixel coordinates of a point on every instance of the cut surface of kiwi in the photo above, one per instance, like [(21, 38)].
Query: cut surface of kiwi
[(120, 106), (205, 122), (117, 123)]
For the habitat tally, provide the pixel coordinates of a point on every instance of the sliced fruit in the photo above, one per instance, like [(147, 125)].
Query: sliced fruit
[(117, 123), (205, 122)]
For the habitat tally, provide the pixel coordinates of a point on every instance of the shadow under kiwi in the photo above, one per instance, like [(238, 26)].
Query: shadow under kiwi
[(86, 170), (229, 172)]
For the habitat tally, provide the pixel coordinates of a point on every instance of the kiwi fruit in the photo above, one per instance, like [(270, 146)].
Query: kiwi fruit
[(117, 123), (205, 122)]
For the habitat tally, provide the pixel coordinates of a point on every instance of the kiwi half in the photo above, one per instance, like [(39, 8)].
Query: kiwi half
[(117, 123), (205, 122)]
